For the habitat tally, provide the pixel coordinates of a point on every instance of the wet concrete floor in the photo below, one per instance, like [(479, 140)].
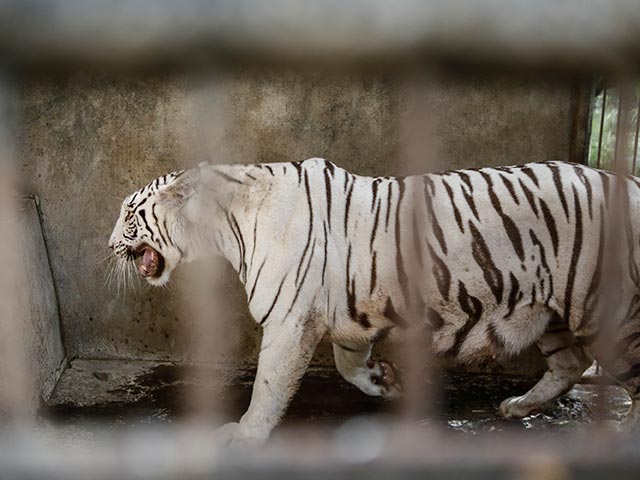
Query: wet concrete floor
[(117, 393)]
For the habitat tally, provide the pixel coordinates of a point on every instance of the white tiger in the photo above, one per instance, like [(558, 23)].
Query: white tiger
[(493, 259)]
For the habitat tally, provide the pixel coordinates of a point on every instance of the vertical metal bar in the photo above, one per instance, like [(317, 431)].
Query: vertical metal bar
[(417, 157), (617, 248), (635, 143), (201, 299), (602, 111), (619, 165), (580, 112), (16, 393)]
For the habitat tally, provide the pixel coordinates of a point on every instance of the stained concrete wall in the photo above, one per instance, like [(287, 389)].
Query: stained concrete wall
[(38, 305), (87, 142)]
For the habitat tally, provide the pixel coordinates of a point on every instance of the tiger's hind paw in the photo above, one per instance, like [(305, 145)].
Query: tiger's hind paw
[(513, 407)]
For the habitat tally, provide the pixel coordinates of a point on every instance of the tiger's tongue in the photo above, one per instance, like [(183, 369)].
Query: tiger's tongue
[(149, 263)]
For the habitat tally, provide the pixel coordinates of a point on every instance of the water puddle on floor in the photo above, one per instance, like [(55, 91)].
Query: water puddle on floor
[(115, 395)]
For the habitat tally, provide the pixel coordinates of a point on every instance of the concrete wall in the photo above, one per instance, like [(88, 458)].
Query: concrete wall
[(87, 142), (38, 306)]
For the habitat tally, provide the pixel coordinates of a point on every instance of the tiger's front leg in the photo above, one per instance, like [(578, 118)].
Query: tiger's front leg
[(286, 350)]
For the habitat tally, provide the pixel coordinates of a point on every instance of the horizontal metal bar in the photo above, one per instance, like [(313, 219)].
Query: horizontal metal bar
[(585, 35), (369, 451)]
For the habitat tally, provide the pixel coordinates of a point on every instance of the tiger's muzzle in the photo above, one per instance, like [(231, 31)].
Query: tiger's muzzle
[(150, 262)]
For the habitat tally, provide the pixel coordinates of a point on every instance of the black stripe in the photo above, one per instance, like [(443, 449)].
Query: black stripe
[(255, 283), (255, 241), (604, 177), (514, 294), (441, 273), (264, 319), (309, 204), (375, 227), (468, 196), (391, 314), (587, 185), (143, 215), (482, 256), (464, 176), (373, 272), (531, 174), (510, 227), (244, 247), (533, 295), (575, 255), (543, 253), (507, 183), (235, 228), (435, 224), (304, 276), (554, 351), (155, 219), (557, 180), (169, 239), (417, 244), (529, 196), (327, 187), (226, 177), (591, 298), (298, 167), (348, 207), (456, 212), (494, 339), (402, 275), (435, 319), (361, 318), (551, 225), (351, 300), (472, 307), (324, 260), (389, 196), (374, 192)]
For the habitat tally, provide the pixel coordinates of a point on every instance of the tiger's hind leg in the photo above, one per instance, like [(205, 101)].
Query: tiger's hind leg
[(375, 378), (567, 361), (629, 378)]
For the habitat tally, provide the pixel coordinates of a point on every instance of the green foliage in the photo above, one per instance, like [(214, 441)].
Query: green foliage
[(609, 131)]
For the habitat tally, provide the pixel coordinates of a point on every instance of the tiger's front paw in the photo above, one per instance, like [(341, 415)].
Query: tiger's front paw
[(385, 379), (236, 436), (514, 407)]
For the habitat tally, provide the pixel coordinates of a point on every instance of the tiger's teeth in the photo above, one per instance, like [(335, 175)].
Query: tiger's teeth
[(149, 263)]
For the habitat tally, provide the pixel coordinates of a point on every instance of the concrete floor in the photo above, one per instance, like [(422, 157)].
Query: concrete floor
[(94, 393)]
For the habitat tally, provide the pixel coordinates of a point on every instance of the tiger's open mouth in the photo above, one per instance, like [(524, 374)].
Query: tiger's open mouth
[(150, 261)]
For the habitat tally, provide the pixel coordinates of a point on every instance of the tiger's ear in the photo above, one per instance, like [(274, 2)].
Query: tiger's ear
[(181, 188)]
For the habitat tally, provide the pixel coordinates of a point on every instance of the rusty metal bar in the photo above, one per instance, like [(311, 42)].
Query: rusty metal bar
[(606, 346), (602, 111), (635, 143), (16, 389), (580, 123), (619, 165), (572, 35), (418, 155)]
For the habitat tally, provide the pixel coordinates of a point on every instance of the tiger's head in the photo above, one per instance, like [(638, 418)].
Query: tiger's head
[(152, 229)]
